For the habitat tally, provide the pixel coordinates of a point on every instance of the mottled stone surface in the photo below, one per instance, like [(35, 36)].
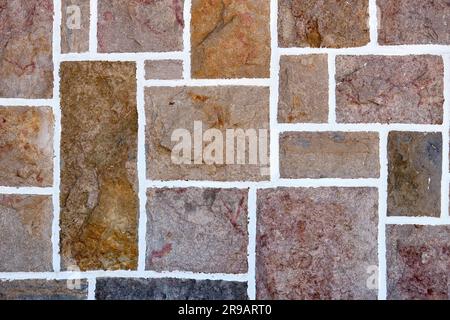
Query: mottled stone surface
[(168, 289), (43, 290), (26, 146), (389, 89), (164, 69), (26, 66), (75, 26), (198, 230), (140, 25), (226, 107), (25, 233), (230, 39), (99, 203), (316, 243), (418, 260), (415, 167), (323, 23), (303, 92), (413, 22), (329, 155)]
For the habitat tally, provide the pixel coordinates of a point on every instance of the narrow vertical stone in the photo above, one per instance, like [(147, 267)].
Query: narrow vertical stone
[(75, 26), (98, 165)]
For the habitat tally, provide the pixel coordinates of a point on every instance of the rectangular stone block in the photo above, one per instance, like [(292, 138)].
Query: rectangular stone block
[(99, 204), (303, 92), (140, 26), (230, 39), (198, 230), (413, 22), (75, 26), (329, 155), (43, 290), (25, 233), (323, 23), (26, 65), (164, 69), (415, 168), (418, 259), (390, 89), (26, 146), (316, 243), (169, 289), (180, 144)]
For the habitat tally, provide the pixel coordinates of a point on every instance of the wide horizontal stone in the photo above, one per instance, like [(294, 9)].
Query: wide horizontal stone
[(43, 290), (164, 69)]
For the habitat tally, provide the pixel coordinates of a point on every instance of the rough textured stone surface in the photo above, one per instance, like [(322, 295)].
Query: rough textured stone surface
[(415, 167), (414, 22), (389, 89), (169, 289), (230, 39), (164, 69), (303, 92), (216, 107), (26, 146), (99, 203), (26, 66), (25, 233), (329, 155), (323, 23), (42, 290), (316, 243), (418, 260), (75, 26), (140, 25), (198, 230)]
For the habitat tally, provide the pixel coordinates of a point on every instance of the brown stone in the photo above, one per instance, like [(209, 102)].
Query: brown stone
[(230, 39), (26, 146), (25, 233), (43, 290), (415, 167), (198, 230), (323, 23), (316, 243), (389, 89), (75, 26), (226, 107), (140, 25), (303, 92), (26, 65), (164, 69), (418, 260), (413, 22), (329, 155), (99, 204)]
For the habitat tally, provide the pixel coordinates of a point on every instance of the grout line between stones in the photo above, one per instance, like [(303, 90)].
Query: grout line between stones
[(187, 40), (92, 283), (93, 27)]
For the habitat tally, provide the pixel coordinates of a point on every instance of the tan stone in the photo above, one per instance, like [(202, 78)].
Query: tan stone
[(164, 69), (75, 37)]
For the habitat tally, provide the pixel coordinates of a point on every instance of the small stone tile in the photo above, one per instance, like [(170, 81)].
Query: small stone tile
[(413, 22), (99, 204), (25, 233), (224, 107), (316, 243), (168, 289), (415, 168), (140, 26), (329, 155), (164, 69), (26, 146), (198, 230), (230, 39), (26, 65), (303, 92), (323, 23), (43, 290), (75, 26), (418, 260), (389, 89)]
